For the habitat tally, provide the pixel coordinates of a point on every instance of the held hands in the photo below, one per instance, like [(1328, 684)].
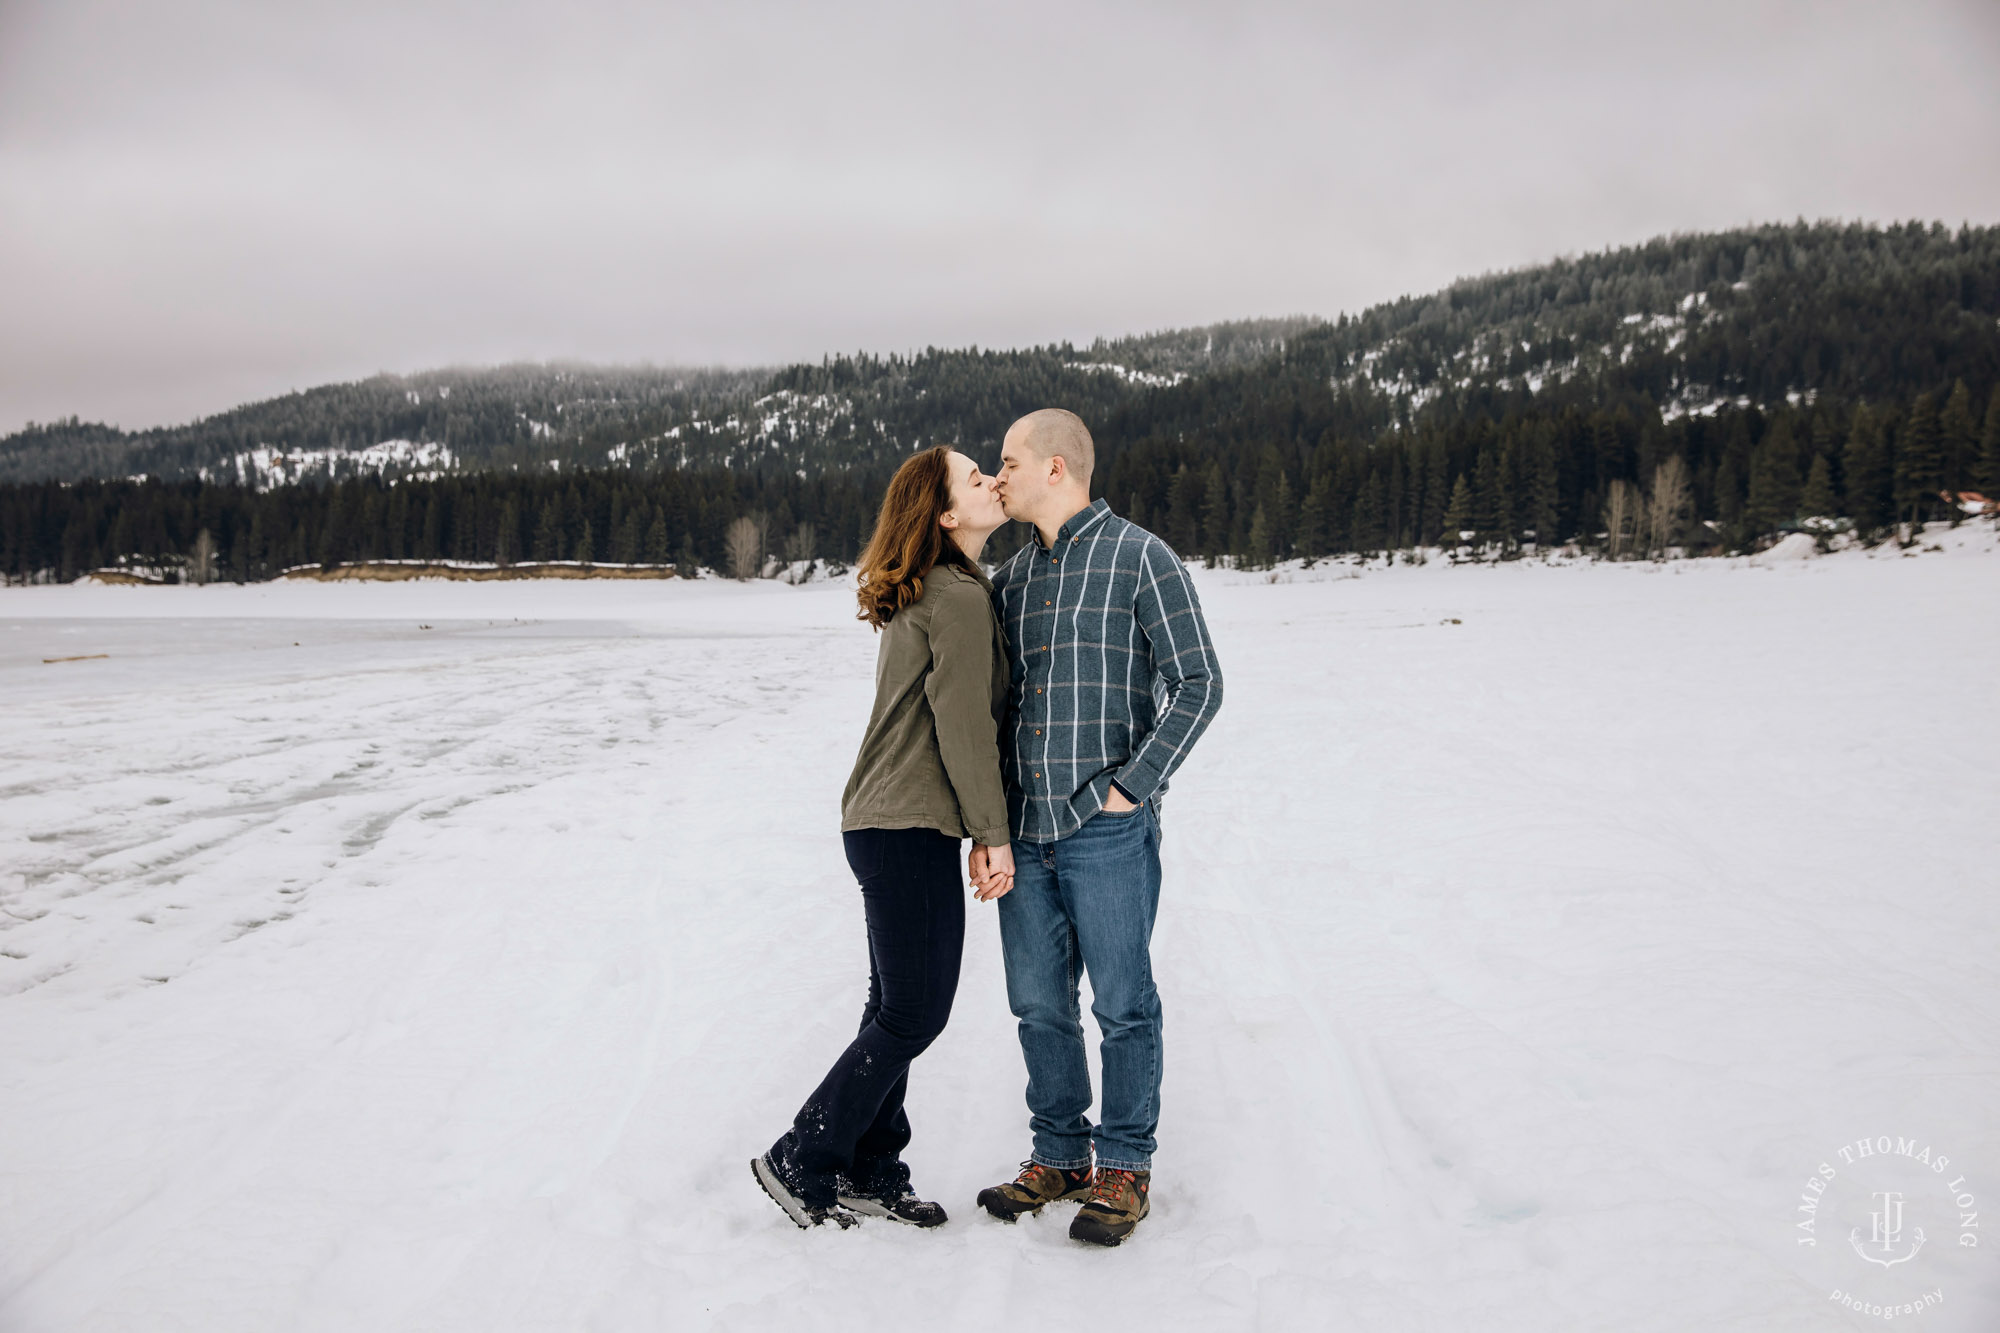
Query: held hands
[(991, 870)]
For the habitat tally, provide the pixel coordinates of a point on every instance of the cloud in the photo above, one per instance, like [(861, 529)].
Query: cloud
[(206, 202)]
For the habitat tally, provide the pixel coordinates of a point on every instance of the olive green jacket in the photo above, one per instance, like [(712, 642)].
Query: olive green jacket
[(931, 758)]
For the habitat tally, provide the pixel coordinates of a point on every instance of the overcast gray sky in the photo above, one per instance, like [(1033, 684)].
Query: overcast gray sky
[(207, 202)]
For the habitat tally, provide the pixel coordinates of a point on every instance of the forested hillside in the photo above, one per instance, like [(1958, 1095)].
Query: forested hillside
[(1696, 391), (1831, 372), (845, 413), (472, 420)]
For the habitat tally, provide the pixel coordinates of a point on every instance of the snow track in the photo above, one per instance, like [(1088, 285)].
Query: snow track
[(1529, 935)]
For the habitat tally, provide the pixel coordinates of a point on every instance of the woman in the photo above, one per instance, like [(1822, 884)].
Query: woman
[(928, 775)]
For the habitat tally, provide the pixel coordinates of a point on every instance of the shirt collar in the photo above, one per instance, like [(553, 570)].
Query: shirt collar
[(1084, 520)]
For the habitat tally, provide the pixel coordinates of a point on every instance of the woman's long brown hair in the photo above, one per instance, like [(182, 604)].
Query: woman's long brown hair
[(908, 543)]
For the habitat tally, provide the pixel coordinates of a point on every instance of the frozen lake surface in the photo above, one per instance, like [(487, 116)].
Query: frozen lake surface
[(435, 956)]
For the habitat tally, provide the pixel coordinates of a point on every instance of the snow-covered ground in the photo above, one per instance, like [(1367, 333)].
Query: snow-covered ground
[(431, 956)]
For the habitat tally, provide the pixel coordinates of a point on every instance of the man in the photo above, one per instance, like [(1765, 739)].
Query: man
[(1114, 679)]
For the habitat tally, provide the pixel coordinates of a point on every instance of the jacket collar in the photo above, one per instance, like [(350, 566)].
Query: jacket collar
[(974, 574)]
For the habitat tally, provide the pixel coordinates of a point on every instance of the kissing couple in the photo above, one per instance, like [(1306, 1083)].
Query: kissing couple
[(1040, 714)]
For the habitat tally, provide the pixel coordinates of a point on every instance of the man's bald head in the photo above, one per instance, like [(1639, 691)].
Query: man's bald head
[(1054, 433)]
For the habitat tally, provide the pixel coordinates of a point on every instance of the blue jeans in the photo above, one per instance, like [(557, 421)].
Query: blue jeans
[(1085, 904)]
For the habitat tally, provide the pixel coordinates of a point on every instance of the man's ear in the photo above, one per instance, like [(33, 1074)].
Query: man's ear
[(1058, 468)]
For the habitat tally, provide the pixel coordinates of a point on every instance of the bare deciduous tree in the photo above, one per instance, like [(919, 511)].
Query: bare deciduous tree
[(201, 562), (745, 543), (801, 547), (1668, 507), (1621, 517)]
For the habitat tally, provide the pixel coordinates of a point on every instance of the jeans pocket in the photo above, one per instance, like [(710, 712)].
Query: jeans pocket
[(864, 853)]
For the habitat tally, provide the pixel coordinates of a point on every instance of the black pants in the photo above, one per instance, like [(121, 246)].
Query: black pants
[(854, 1123)]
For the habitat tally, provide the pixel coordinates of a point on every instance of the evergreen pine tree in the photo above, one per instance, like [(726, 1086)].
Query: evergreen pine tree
[(1608, 451), (1866, 465), (1430, 520), (1260, 539), (1368, 515), (396, 524), (333, 534), (1825, 442), (1270, 469), (1183, 512), (1410, 509), (506, 543), (1774, 481), (430, 542), (1392, 500), (1958, 443), (1214, 513), (1989, 449), (1284, 517), (548, 531), (1542, 494), (1731, 473), (460, 530), (1488, 498), (1312, 529), (1457, 514), (1728, 494), (630, 538), (1918, 462), (1818, 501), (657, 548), (586, 544)]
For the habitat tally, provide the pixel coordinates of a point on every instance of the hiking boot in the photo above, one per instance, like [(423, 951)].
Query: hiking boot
[(1116, 1204), (796, 1208), (1036, 1186), (898, 1203)]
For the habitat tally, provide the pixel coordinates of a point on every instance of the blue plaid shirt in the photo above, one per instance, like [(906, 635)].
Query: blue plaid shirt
[(1114, 676)]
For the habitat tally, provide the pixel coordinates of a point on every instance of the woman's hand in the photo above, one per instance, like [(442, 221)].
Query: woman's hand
[(991, 870)]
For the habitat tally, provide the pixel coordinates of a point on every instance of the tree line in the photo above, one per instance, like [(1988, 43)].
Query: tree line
[(59, 530), (1549, 476), (1605, 480)]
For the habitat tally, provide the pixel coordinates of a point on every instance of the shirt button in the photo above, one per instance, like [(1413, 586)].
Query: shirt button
[(1048, 603), (1038, 731), (1038, 775), (1038, 689)]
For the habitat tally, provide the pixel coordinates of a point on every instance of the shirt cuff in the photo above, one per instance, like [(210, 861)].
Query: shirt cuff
[(1137, 780)]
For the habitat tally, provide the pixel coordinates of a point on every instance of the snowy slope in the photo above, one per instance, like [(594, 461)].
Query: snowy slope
[(1530, 935)]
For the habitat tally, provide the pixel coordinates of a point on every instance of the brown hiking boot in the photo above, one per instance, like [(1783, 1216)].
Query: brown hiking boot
[(1036, 1186), (1116, 1205)]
